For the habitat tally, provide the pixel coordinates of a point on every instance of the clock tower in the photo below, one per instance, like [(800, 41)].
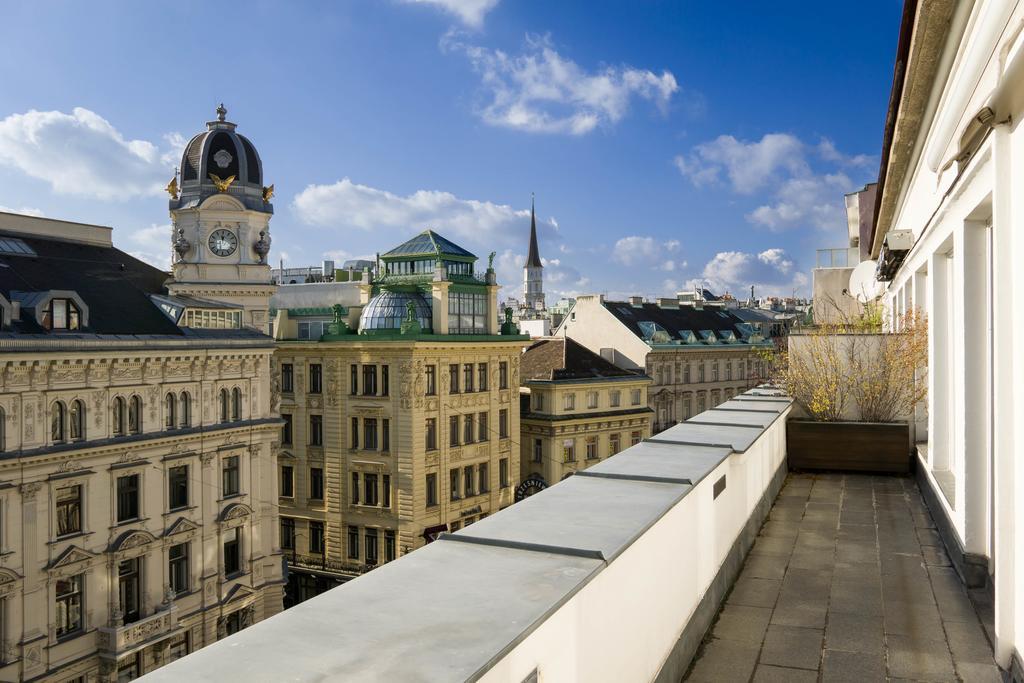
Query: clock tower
[(220, 217)]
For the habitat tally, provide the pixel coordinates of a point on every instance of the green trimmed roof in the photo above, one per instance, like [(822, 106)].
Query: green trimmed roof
[(317, 311), (428, 243)]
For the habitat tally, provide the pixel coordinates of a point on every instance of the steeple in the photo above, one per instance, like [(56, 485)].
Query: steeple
[(533, 271), (533, 259)]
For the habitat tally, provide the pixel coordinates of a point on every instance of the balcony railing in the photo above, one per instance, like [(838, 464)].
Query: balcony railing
[(612, 574), (846, 257), (120, 640)]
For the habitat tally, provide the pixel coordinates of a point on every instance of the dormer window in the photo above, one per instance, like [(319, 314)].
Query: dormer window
[(61, 314)]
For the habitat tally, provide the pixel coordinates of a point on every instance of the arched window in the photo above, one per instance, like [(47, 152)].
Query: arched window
[(236, 404), (184, 409), (3, 430), (118, 416), (76, 420), (170, 406), (58, 420), (135, 415), (223, 405)]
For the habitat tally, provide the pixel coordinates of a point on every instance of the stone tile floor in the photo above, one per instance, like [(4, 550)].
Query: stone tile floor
[(848, 581)]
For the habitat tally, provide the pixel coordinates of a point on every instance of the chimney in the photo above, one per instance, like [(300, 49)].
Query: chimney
[(636, 301), (668, 303)]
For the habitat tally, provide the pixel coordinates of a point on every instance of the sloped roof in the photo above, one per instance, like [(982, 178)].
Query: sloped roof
[(429, 243), (675, 321), (564, 359)]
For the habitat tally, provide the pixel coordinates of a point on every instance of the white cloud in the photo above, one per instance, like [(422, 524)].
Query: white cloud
[(560, 278), (779, 164), (638, 250), (772, 272), (347, 205), (152, 245), (470, 12), (25, 211), (81, 153), (540, 91), (815, 200)]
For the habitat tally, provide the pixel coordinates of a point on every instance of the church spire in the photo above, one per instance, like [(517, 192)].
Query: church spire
[(533, 259)]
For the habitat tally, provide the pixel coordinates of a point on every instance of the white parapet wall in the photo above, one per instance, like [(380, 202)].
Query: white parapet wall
[(612, 575)]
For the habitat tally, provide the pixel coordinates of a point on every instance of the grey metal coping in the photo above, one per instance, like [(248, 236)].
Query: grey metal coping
[(753, 405), (593, 513), (452, 609), (738, 419), (690, 433)]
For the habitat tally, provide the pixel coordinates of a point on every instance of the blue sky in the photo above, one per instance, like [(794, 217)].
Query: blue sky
[(666, 142)]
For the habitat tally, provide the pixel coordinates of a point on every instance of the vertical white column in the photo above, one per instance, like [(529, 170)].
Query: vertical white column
[(939, 343), (920, 304), (974, 374)]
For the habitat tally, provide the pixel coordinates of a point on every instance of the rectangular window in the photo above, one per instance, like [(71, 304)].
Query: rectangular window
[(353, 379), (355, 488), (481, 377), (177, 649), (69, 604), (127, 497), (353, 543), (369, 380), (614, 444), (634, 397), (467, 313), (316, 537), (431, 490), (700, 372), (467, 429), (591, 448), (686, 373), (385, 381), (316, 483), (503, 423), (232, 552), (371, 546), (467, 480), (177, 487), (315, 378), (467, 378), (385, 491), (430, 434), (538, 450), (714, 371), (483, 478), (177, 568), (482, 430), (728, 370), (569, 402), (316, 430), (230, 475), (503, 375), (503, 473), (389, 545), (370, 433), (634, 438), (687, 409), (614, 398), (369, 488), (538, 401), (592, 400), (286, 429), (287, 378), (431, 380), (354, 432), (453, 475), (287, 533), (287, 481), (569, 450), (69, 510), (740, 370), (453, 430), (701, 403), (385, 435), (453, 374)]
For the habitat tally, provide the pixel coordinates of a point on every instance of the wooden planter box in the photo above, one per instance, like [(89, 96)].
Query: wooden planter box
[(848, 446)]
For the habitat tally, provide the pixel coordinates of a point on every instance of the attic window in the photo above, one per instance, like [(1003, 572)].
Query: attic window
[(12, 246), (708, 336), (61, 314)]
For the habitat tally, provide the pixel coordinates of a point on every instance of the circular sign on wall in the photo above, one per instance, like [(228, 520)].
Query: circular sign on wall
[(529, 486)]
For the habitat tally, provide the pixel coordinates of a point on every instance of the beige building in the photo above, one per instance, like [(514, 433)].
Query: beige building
[(577, 410), (697, 354), (137, 509), (400, 411)]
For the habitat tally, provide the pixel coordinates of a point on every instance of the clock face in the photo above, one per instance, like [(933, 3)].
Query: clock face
[(223, 242)]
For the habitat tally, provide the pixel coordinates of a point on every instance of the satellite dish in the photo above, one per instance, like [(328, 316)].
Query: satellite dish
[(863, 285)]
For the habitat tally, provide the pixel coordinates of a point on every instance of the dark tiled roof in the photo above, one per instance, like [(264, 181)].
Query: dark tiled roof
[(114, 285), (561, 358), (674, 320), (429, 243)]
